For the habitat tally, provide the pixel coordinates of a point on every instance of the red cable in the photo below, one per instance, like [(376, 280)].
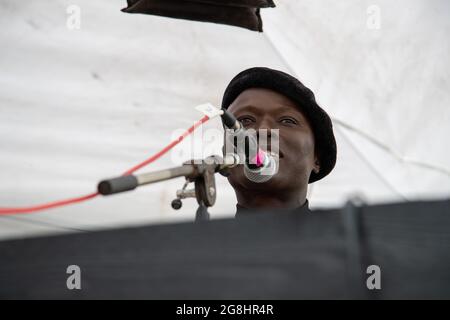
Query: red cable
[(5, 211), (168, 147)]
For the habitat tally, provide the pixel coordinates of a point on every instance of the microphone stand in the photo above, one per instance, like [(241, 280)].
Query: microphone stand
[(201, 172)]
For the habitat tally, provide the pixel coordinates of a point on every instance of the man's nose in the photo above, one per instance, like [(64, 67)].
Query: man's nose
[(265, 125), (267, 132)]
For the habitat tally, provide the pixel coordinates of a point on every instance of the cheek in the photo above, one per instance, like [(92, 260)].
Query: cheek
[(300, 147)]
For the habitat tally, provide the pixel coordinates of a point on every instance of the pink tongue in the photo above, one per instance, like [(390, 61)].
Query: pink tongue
[(259, 158)]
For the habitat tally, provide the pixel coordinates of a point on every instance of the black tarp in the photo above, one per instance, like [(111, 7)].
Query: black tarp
[(241, 13), (264, 256)]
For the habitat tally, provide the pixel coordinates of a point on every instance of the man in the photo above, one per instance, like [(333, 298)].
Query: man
[(263, 98)]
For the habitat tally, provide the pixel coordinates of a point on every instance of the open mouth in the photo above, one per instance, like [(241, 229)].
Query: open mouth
[(278, 155)]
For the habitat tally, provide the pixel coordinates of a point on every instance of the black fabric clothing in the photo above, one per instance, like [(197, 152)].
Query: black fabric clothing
[(242, 211)]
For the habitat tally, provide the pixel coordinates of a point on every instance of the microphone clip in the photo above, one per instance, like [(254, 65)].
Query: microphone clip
[(204, 183)]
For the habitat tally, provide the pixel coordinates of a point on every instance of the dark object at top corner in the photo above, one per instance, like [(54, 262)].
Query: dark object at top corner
[(240, 13)]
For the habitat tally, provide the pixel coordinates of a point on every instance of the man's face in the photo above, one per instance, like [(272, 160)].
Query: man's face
[(259, 108)]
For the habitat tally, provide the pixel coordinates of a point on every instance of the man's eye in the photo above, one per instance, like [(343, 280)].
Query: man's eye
[(288, 121), (246, 120)]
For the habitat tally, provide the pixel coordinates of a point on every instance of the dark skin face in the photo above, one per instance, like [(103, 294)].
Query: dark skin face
[(259, 108)]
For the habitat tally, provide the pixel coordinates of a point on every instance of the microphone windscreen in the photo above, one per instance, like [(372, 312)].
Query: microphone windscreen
[(264, 173)]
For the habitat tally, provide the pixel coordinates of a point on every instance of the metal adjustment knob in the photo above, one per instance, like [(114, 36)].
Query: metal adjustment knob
[(176, 204)]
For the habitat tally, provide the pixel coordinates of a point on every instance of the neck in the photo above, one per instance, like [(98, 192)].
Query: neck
[(256, 199)]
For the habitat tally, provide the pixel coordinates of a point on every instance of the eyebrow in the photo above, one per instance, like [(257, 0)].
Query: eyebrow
[(249, 108), (296, 111), (282, 108), (288, 108)]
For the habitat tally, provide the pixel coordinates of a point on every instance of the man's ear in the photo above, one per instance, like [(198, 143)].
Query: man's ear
[(316, 167)]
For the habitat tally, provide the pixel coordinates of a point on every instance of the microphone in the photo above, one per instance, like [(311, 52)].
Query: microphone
[(259, 166)]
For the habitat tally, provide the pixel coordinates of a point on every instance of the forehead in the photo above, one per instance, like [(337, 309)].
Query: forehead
[(261, 100)]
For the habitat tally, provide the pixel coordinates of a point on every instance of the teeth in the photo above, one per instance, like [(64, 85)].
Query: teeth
[(274, 154)]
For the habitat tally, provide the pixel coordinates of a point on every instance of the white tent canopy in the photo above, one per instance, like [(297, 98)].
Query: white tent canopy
[(80, 105)]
